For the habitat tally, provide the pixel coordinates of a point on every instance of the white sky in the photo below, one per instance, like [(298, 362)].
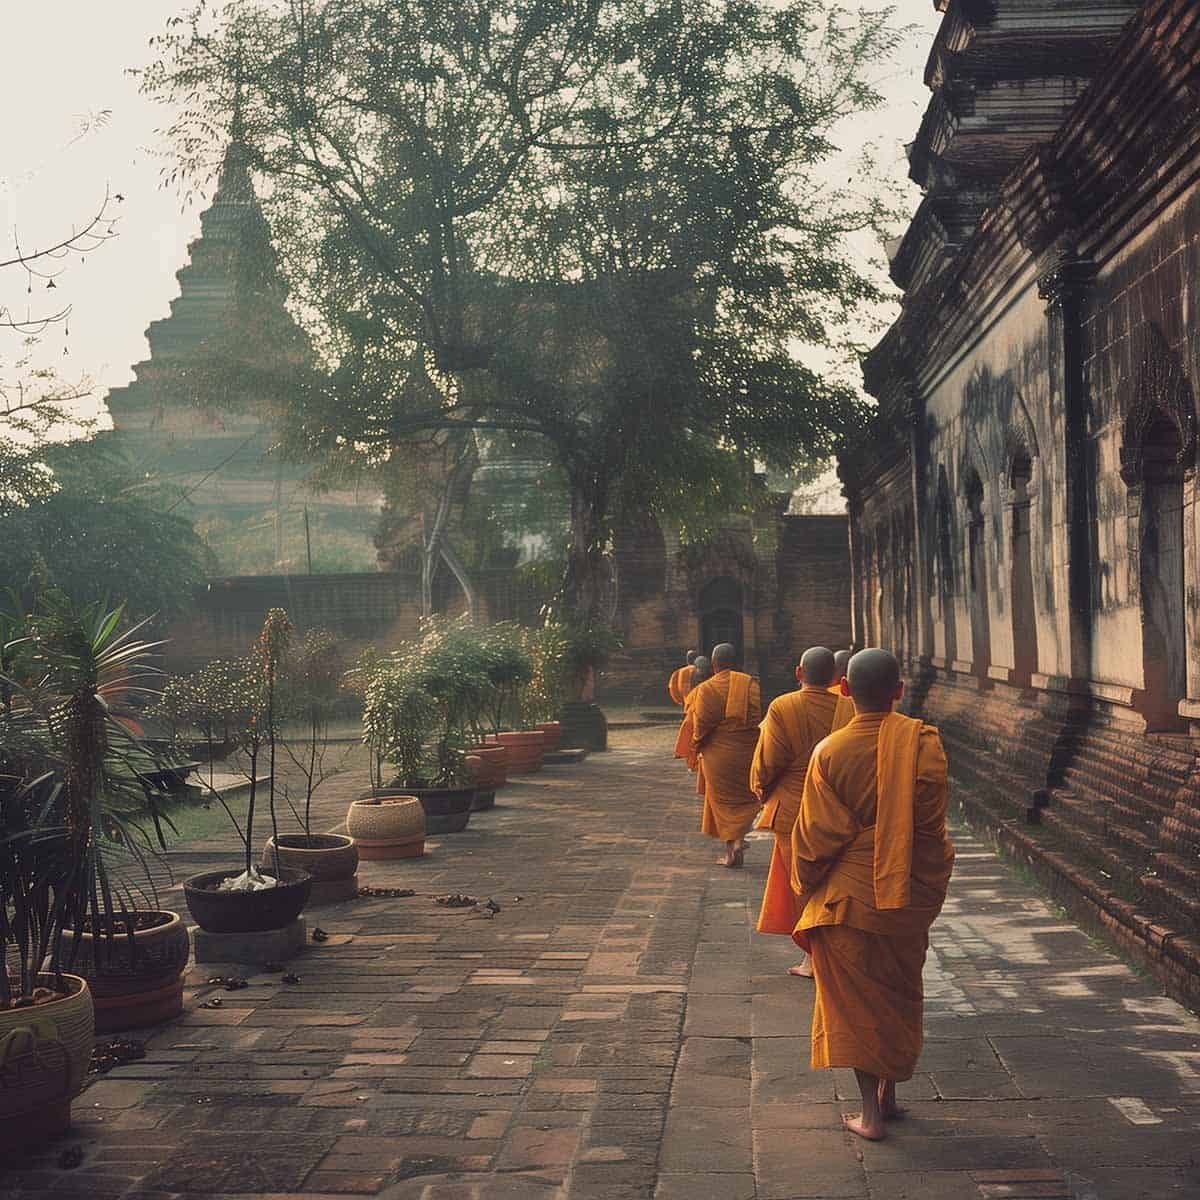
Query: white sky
[(63, 59)]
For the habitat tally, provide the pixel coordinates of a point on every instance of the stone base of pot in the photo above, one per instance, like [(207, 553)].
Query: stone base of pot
[(27, 1131), (584, 726), (149, 1005), (386, 851), (332, 891), (257, 949), (483, 800), (560, 758)]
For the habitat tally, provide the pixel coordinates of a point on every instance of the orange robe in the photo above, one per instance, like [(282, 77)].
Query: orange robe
[(683, 743), (673, 686), (794, 724), (844, 713), (872, 860), (726, 710)]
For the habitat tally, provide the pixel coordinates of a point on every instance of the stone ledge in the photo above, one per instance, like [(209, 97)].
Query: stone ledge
[(271, 945)]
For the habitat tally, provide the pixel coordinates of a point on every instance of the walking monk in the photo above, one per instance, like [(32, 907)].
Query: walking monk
[(726, 711), (701, 669), (680, 681), (794, 724), (844, 713), (873, 859)]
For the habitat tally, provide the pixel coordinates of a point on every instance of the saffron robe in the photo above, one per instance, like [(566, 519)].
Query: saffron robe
[(683, 743), (674, 684), (844, 713), (726, 710), (872, 860), (793, 726)]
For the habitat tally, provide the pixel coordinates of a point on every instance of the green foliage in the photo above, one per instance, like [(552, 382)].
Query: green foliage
[(81, 522), (79, 817), (398, 717), (604, 226)]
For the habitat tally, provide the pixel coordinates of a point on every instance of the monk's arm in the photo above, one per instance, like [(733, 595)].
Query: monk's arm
[(932, 795), (823, 830), (708, 711), (770, 756)]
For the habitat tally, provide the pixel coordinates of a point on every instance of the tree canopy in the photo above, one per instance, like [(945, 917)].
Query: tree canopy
[(600, 224)]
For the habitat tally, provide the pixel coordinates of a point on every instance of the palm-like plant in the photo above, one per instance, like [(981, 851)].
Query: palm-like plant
[(80, 818)]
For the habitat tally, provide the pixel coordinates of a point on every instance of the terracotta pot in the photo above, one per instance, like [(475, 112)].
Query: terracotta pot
[(492, 768), (387, 824), (44, 1056), (524, 750), (246, 912), (330, 858), (553, 738), (135, 983)]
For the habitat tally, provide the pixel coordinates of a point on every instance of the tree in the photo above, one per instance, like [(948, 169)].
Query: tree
[(598, 224), (93, 529)]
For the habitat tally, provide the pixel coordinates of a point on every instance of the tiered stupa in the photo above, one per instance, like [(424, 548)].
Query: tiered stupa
[(198, 410)]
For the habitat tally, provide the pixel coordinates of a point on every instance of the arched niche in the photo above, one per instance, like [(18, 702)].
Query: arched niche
[(1022, 605), (944, 557), (1158, 461), (974, 503)]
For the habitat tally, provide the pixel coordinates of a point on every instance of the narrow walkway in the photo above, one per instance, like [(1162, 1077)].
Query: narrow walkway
[(618, 1032)]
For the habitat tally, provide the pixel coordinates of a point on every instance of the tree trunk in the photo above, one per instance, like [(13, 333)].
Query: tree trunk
[(587, 573)]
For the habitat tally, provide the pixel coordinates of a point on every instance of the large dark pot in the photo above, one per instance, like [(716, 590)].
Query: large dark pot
[(330, 858), (246, 912), (138, 981), (447, 810), (584, 726)]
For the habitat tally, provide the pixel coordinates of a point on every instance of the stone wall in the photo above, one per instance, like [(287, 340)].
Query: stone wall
[(1023, 512)]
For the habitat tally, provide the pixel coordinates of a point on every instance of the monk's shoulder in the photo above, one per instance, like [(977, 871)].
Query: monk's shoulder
[(931, 754)]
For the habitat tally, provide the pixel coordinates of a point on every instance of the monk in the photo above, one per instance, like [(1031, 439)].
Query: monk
[(844, 713), (725, 716), (680, 681), (794, 724), (872, 860), (701, 670)]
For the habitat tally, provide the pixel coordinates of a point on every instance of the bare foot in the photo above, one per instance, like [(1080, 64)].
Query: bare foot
[(857, 1124), (802, 970)]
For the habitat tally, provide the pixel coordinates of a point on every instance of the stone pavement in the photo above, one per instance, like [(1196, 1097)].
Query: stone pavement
[(618, 1032)]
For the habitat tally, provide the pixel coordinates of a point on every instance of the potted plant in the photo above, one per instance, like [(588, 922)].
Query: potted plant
[(586, 649), (79, 825), (254, 899), (510, 669), (420, 705), (312, 674)]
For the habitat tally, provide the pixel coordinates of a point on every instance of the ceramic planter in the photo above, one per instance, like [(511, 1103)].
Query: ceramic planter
[(135, 982), (330, 858), (491, 771), (387, 824), (246, 912), (525, 748), (44, 1055), (553, 735), (447, 810)]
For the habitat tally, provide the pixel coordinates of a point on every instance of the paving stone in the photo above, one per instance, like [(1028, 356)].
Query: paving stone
[(622, 1034)]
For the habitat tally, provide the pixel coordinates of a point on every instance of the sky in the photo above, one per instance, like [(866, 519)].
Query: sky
[(64, 68)]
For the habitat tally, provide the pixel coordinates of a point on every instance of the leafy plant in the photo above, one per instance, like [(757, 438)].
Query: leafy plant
[(509, 667), (80, 815)]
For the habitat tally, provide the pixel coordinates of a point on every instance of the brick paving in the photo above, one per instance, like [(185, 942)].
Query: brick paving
[(618, 1032)]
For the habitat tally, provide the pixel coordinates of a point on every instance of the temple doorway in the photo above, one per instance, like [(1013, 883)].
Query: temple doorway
[(721, 615), (981, 634), (1024, 614)]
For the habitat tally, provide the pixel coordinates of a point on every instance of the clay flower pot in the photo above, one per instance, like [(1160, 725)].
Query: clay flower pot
[(525, 748), (330, 858), (553, 735), (492, 769), (135, 982), (44, 1055), (387, 824), (246, 912)]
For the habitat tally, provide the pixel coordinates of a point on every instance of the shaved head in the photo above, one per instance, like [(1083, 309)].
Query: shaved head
[(817, 664), (724, 656), (691, 656), (701, 669), (841, 660), (873, 677)]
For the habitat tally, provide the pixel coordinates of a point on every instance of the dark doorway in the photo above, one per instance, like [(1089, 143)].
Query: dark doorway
[(981, 633), (721, 615), (1024, 614), (1161, 567)]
